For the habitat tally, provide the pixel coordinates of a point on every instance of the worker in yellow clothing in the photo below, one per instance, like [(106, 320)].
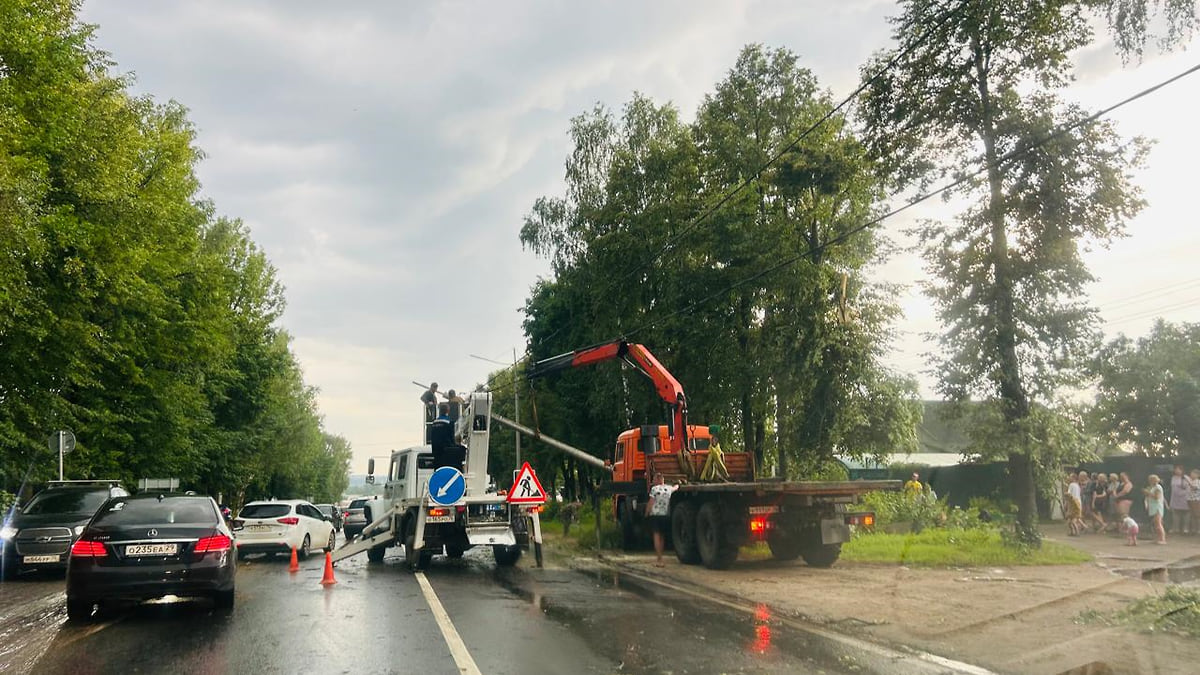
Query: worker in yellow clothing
[(714, 466), (913, 487)]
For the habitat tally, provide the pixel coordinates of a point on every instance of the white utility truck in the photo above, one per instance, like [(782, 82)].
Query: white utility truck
[(456, 511)]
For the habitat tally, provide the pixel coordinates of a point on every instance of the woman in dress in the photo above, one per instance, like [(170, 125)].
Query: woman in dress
[(1155, 506), (1124, 497)]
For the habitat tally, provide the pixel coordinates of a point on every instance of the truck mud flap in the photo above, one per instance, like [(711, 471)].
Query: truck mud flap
[(491, 536), (834, 531)]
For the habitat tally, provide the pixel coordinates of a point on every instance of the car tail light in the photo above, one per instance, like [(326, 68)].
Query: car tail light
[(290, 520), (88, 549), (345, 514), (213, 544)]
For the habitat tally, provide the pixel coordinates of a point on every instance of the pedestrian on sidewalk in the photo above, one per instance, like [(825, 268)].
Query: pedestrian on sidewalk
[(1194, 501), (1155, 506), (1131, 530), (1124, 495), (1181, 487), (1085, 499), (658, 510), (1074, 509), (1099, 502)]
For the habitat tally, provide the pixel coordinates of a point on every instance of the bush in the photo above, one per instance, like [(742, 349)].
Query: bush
[(7, 499), (919, 510)]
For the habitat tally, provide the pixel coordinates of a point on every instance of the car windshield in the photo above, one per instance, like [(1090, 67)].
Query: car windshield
[(66, 501), (193, 511), (358, 503), (265, 510), (325, 509)]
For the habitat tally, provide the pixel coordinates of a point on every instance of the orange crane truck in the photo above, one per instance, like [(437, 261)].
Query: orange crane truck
[(713, 517)]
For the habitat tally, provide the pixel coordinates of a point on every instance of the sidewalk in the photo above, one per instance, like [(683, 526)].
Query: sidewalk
[(1011, 620), (1147, 560)]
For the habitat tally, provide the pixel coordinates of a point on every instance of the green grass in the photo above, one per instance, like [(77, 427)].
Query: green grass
[(954, 548), (1177, 610)]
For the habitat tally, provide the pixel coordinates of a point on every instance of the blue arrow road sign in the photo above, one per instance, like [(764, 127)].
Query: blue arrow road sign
[(447, 486)]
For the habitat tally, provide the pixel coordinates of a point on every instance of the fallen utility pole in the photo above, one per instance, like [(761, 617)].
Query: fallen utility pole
[(554, 443)]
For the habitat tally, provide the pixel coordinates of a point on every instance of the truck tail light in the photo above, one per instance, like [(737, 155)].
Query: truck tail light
[(438, 512), (289, 520), (212, 544), (758, 525), (88, 549), (861, 519)]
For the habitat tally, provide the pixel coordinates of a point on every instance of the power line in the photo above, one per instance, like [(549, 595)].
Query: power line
[(791, 145), (779, 154), (1159, 311), (1011, 155), (1160, 291)]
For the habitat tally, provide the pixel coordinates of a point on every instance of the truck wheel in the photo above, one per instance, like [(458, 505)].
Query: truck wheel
[(715, 549), (784, 547), (506, 556), (823, 555), (683, 533), (416, 560), (629, 540), (375, 553), (454, 552)]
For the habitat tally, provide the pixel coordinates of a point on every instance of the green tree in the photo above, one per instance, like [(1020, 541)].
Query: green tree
[(978, 81), (796, 352), (1149, 390)]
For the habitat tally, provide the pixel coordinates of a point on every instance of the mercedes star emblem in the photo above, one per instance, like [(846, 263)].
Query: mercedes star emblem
[(152, 533)]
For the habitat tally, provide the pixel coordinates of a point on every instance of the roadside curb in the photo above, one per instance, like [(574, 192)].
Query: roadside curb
[(873, 655)]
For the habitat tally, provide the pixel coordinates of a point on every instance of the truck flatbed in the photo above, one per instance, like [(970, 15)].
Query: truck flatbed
[(799, 487)]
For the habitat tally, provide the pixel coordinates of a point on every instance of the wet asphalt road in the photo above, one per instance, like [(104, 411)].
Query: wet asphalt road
[(518, 621)]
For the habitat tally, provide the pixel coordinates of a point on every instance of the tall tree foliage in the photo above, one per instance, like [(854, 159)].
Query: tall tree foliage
[(1149, 390), (788, 362), (976, 82), (128, 312)]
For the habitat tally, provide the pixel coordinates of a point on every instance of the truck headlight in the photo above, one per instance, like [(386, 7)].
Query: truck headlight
[(7, 532)]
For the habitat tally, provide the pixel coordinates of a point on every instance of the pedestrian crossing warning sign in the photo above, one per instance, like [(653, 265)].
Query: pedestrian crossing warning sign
[(525, 488)]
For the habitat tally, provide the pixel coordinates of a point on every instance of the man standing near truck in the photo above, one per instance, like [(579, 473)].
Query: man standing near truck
[(658, 510)]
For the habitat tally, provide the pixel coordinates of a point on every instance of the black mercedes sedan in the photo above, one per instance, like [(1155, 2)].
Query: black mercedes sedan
[(150, 546)]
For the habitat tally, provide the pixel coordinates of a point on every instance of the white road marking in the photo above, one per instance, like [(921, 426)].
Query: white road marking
[(458, 649)]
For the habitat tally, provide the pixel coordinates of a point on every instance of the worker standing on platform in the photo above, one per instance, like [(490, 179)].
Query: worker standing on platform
[(429, 398), (714, 466)]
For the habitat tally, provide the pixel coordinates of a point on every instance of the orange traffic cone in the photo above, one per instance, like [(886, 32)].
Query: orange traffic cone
[(294, 565), (328, 579)]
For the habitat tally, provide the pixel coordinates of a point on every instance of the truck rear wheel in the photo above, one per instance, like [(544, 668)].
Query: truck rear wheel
[(821, 555), (415, 559), (784, 547), (683, 533), (506, 556), (375, 553), (715, 549)]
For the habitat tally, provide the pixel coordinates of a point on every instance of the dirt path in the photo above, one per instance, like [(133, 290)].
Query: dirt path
[(1012, 619)]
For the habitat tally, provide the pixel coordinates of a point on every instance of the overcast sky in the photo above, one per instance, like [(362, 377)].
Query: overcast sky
[(384, 153)]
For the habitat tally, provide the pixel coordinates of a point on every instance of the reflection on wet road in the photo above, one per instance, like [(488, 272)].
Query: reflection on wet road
[(518, 621)]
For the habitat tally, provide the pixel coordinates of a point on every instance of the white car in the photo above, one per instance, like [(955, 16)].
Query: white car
[(279, 526)]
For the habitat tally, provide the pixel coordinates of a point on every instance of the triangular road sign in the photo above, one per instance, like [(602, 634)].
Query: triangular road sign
[(526, 489)]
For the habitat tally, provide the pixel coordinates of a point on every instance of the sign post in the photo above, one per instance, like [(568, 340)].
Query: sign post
[(527, 489), (62, 442)]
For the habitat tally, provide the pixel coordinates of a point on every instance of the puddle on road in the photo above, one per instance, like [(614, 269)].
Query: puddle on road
[(1187, 575)]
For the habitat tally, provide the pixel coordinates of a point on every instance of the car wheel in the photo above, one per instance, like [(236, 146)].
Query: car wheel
[(223, 599), (305, 546), (79, 610), (332, 542)]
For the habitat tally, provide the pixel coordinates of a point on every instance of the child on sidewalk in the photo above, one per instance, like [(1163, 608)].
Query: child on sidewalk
[(1131, 529)]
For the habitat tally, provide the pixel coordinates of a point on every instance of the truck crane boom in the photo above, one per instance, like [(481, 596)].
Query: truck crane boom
[(665, 385)]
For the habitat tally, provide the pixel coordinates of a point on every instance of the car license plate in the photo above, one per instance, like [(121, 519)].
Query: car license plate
[(41, 559), (151, 549), (257, 528)]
